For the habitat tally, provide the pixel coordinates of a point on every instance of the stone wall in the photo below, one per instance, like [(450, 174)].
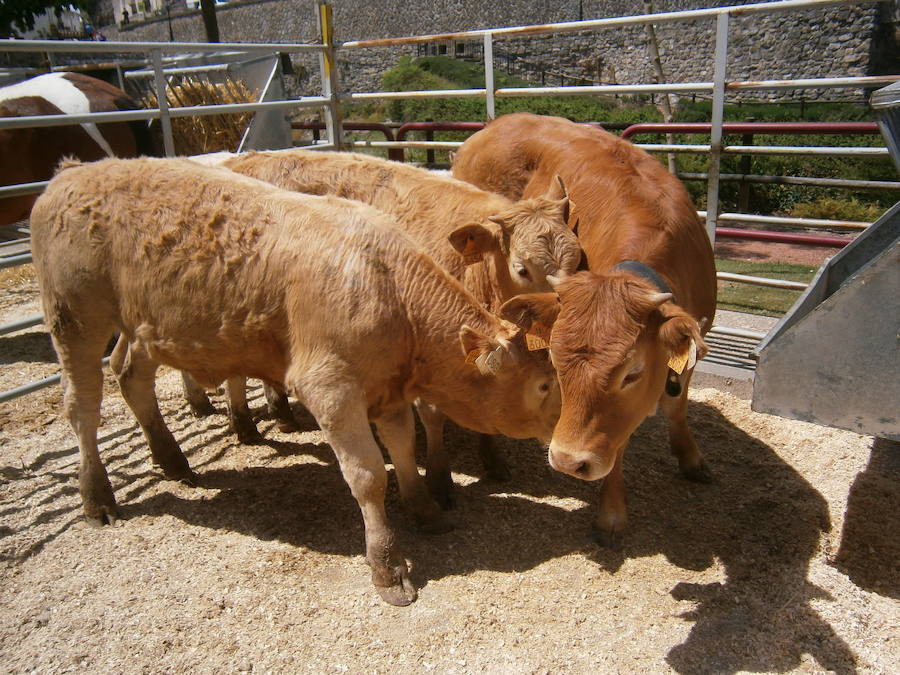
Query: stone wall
[(825, 42)]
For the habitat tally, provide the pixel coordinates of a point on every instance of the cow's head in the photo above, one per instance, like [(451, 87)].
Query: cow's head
[(514, 391), (531, 242), (611, 339)]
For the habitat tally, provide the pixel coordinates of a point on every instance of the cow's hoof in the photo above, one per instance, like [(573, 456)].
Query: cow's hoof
[(98, 516), (202, 408), (434, 524), (608, 539), (247, 433), (287, 426), (699, 473), (186, 476), (442, 491), (399, 595)]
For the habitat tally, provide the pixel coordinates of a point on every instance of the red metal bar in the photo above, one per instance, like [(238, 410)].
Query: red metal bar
[(754, 128), (351, 126), (782, 237)]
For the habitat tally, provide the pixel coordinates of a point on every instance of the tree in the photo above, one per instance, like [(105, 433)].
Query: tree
[(17, 15)]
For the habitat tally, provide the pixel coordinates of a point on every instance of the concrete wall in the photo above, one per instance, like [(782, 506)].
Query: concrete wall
[(829, 42)]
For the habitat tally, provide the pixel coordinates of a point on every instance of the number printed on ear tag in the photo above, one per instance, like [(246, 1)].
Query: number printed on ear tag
[(535, 342)]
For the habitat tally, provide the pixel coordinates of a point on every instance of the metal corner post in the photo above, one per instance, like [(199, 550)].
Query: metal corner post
[(162, 102), (718, 114), (489, 76), (328, 67)]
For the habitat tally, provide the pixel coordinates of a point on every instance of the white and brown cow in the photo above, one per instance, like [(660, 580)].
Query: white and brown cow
[(623, 336), (496, 247), (221, 275), (31, 154)]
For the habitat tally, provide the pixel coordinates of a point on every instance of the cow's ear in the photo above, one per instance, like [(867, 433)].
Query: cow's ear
[(474, 240), (535, 312), (679, 334), (481, 351)]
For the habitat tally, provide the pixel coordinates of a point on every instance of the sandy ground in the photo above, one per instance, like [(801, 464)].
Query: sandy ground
[(788, 562)]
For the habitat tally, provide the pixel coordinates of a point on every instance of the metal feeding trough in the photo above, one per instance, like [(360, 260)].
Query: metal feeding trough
[(834, 358)]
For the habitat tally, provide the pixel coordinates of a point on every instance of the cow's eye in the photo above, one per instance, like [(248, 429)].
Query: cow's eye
[(544, 388), (631, 377), (521, 270)]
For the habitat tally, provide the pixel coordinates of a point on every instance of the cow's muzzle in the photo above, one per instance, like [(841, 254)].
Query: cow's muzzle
[(583, 465)]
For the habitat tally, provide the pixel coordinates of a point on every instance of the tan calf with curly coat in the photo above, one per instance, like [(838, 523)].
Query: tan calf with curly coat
[(220, 275), (496, 247)]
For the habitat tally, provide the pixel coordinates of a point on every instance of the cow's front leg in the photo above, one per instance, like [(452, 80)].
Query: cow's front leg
[(397, 431), (342, 417), (681, 440), (612, 518)]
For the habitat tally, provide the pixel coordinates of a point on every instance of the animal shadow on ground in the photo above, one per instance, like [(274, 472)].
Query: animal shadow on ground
[(33, 347), (869, 552), (760, 521)]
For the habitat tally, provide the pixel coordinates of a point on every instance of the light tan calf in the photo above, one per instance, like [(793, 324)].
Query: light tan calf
[(497, 247), (220, 275)]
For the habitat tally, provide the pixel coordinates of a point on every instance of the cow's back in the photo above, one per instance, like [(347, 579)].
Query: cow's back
[(202, 264), (627, 205)]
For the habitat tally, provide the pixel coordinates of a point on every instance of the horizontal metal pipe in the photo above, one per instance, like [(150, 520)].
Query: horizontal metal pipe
[(836, 151), (436, 93), (802, 222), (613, 22), (151, 113), (612, 89), (769, 128), (34, 386), (815, 83), (20, 189), (761, 281), (782, 237), (434, 145), (863, 151), (15, 261), (798, 180), (76, 46), (21, 324)]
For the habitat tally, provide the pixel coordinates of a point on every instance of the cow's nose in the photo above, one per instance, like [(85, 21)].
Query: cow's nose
[(565, 463)]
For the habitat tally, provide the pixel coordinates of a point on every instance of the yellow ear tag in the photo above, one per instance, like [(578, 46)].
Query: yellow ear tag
[(535, 342), (686, 359), (471, 356), (471, 254)]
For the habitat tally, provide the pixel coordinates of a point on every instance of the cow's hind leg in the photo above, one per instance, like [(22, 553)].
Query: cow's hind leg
[(681, 440), (196, 397), (397, 431), (239, 412), (342, 415), (279, 409), (80, 351), (438, 457), (136, 374)]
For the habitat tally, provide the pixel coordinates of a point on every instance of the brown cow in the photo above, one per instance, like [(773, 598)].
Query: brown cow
[(221, 275), (649, 295), (30, 155), (522, 244)]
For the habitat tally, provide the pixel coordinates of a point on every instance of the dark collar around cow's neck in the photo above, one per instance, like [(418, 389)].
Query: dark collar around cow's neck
[(645, 272)]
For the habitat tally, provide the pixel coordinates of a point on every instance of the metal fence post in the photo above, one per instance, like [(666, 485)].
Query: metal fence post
[(718, 114), (328, 67), (489, 76), (162, 102)]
